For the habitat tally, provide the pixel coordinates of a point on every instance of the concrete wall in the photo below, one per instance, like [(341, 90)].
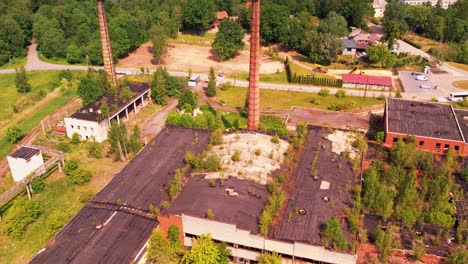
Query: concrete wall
[(363, 86), (20, 168), (239, 239), (87, 129)]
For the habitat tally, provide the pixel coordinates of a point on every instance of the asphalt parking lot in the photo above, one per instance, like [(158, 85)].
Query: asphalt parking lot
[(413, 86)]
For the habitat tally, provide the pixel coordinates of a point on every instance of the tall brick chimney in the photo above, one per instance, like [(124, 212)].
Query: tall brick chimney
[(254, 72), (109, 67)]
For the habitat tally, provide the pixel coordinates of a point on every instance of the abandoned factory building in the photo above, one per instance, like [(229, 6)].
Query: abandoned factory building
[(89, 122), (436, 126)]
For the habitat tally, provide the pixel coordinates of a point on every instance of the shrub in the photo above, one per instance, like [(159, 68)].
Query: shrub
[(95, 150), (65, 74), (275, 140), (75, 139), (380, 136), (324, 92), (273, 124), (209, 214), (20, 215), (258, 152), (212, 163), (236, 156), (63, 146), (14, 134), (70, 166), (226, 86), (332, 234), (173, 234), (86, 196), (398, 94), (80, 176), (341, 94), (216, 137), (165, 205), (412, 43), (464, 174), (38, 185)]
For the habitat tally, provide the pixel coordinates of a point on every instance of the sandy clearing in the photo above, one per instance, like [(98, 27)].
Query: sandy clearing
[(250, 166), (181, 57)]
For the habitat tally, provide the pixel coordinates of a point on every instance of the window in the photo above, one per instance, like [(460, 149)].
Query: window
[(85, 128), (92, 129), (457, 148), (78, 127), (72, 126), (395, 139), (446, 146), (438, 146), (421, 143)]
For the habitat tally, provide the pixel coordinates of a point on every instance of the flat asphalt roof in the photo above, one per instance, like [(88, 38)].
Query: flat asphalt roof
[(425, 119), (242, 210), (141, 183), (25, 153), (462, 117), (307, 194), (85, 114)]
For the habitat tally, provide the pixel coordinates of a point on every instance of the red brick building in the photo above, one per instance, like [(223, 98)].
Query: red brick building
[(437, 127)]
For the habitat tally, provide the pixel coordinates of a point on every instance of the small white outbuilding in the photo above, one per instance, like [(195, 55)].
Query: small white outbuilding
[(24, 161)]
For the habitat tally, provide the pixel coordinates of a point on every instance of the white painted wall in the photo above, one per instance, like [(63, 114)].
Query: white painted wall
[(230, 234), (87, 129), (20, 168)]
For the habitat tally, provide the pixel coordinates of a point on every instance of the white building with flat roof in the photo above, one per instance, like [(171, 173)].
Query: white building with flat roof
[(445, 3), (89, 122), (24, 161)]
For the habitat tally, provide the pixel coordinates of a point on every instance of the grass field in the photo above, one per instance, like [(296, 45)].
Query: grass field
[(61, 201), (460, 66), (31, 108), (200, 40), (15, 63), (461, 84), (424, 42), (278, 77), (274, 99)]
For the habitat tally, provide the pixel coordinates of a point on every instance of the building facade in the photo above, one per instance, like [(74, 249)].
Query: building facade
[(358, 81), (436, 127), (25, 161), (445, 3), (379, 8)]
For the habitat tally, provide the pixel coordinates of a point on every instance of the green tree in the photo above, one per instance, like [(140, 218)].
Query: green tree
[(159, 44), (332, 234), (91, 87), (273, 22), (229, 40), (118, 140), (14, 134), (188, 97), (204, 250), (175, 185), (267, 258), (160, 249), (12, 39), (197, 15), (173, 234), (334, 24), (211, 90), (357, 12), (21, 81), (135, 140), (158, 93), (80, 176), (381, 54), (459, 258), (384, 241), (408, 206), (73, 54)]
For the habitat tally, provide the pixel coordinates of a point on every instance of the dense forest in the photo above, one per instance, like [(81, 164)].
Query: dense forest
[(444, 25), (69, 28)]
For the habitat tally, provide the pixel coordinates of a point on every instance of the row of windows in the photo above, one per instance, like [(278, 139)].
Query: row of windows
[(438, 145), (85, 128)]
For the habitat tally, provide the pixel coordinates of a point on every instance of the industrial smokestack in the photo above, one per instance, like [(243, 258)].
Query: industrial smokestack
[(107, 56), (254, 72)]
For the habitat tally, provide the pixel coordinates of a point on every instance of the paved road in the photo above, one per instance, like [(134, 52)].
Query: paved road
[(152, 126)]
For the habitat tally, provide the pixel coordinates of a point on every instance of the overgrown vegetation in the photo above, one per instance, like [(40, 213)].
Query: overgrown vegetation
[(20, 215), (332, 234)]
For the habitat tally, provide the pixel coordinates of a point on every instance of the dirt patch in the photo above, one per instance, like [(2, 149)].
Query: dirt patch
[(257, 156), (181, 57), (342, 142), (329, 118)]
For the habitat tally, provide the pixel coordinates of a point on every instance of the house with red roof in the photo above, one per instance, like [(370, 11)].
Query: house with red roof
[(367, 82), (220, 16)]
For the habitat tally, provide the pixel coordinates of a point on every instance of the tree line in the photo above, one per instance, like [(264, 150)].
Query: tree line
[(445, 25)]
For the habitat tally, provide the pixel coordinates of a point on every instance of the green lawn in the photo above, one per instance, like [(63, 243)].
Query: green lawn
[(460, 66), (62, 61), (61, 201), (201, 40), (30, 108), (278, 77), (275, 99), (15, 63)]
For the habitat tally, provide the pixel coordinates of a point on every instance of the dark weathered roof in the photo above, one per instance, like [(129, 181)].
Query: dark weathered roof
[(308, 196), (349, 44), (424, 119), (242, 210), (25, 153), (90, 111), (462, 118), (141, 183)]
